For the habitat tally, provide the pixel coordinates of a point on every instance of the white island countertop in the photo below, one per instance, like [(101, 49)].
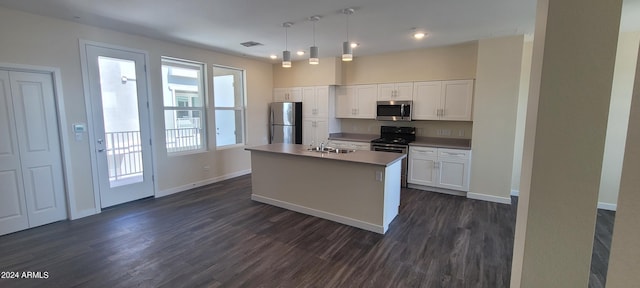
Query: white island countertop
[(358, 156)]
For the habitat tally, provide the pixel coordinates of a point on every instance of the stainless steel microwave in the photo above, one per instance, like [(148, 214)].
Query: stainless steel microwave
[(394, 110)]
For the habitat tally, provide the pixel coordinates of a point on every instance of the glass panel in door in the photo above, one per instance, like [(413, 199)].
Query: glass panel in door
[(117, 82), (121, 123)]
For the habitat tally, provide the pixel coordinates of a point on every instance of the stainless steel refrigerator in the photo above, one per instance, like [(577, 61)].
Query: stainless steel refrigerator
[(285, 122)]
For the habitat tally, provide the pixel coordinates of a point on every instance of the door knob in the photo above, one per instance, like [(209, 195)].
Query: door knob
[(100, 150)]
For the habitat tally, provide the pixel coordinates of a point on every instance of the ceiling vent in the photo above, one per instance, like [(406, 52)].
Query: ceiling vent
[(251, 44)]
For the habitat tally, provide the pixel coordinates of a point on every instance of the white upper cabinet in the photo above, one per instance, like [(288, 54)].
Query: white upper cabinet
[(344, 101), (443, 100), (315, 102), (357, 101), (426, 100), (457, 99), (287, 94), (395, 91)]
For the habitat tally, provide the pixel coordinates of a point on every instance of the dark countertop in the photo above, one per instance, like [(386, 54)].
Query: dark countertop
[(452, 143), (359, 156), (355, 137)]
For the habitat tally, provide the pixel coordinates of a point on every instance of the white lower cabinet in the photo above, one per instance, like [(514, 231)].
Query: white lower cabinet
[(439, 167), (314, 132), (353, 145)]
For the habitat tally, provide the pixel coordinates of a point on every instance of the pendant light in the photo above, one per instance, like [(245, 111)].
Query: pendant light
[(347, 52), (286, 54), (313, 50)]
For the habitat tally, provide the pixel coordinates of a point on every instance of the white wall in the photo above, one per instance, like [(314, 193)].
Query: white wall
[(623, 262), (621, 91), (37, 40), (523, 97), (494, 117)]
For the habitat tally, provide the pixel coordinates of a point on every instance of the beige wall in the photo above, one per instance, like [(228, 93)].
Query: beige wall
[(523, 97), (301, 73), (440, 63), (624, 263), (569, 97), (494, 117), (36, 40), (621, 91)]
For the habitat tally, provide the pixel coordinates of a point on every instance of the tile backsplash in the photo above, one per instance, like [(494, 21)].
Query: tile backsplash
[(444, 129)]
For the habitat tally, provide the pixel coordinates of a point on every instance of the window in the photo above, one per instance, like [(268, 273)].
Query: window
[(229, 102), (183, 97)]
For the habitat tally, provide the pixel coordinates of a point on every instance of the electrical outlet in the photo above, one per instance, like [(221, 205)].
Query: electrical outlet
[(379, 176), (446, 132), (206, 168), (461, 133)]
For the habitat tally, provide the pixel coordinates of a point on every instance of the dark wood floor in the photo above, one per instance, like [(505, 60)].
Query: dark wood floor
[(215, 236)]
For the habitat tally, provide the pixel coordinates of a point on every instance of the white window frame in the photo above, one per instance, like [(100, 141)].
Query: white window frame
[(242, 108), (182, 63)]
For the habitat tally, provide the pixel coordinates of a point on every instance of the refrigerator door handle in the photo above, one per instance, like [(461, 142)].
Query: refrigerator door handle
[(271, 125)]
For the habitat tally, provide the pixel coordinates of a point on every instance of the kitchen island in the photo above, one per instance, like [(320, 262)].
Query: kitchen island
[(361, 188)]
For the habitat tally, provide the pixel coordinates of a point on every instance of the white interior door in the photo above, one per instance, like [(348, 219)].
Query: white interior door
[(38, 138), (31, 178), (13, 210), (118, 87)]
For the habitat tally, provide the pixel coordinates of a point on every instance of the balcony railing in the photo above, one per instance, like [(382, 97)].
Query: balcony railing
[(124, 154), (183, 139)]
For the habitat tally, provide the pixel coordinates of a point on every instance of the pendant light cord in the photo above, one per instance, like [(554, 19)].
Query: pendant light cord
[(347, 27)]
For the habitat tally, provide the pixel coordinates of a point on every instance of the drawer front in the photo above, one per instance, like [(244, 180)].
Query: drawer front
[(454, 153), (415, 151)]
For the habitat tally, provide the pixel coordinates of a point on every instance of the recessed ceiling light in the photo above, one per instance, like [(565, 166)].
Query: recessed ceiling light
[(354, 44), (300, 53), (273, 56), (419, 35)]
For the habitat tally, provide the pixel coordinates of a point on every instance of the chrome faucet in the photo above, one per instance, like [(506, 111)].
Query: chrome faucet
[(322, 146)]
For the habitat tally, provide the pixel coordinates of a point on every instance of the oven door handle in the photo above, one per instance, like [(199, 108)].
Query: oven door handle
[(385, 149)]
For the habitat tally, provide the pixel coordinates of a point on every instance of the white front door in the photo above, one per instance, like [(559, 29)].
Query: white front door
[(31, 178), (118, 87)]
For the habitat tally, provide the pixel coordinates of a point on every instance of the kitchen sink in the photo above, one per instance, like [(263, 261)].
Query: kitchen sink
[(330, 150)]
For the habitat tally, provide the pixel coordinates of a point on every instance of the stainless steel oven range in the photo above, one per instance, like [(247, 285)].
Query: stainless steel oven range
[(395, 140)]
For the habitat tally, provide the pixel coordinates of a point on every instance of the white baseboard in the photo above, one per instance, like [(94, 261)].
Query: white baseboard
[(515, 192), (437, 189), (490, 198), (84, 213), (607, 206), (320, 214), (183, 188)]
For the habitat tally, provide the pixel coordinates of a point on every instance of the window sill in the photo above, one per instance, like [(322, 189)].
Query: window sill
[(185, 153)]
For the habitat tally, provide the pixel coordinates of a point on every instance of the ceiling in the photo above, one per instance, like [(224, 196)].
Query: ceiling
[(379, 26)]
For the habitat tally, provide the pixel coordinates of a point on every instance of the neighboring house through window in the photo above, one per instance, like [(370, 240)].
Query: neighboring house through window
[(184, 110), (229, 102)]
